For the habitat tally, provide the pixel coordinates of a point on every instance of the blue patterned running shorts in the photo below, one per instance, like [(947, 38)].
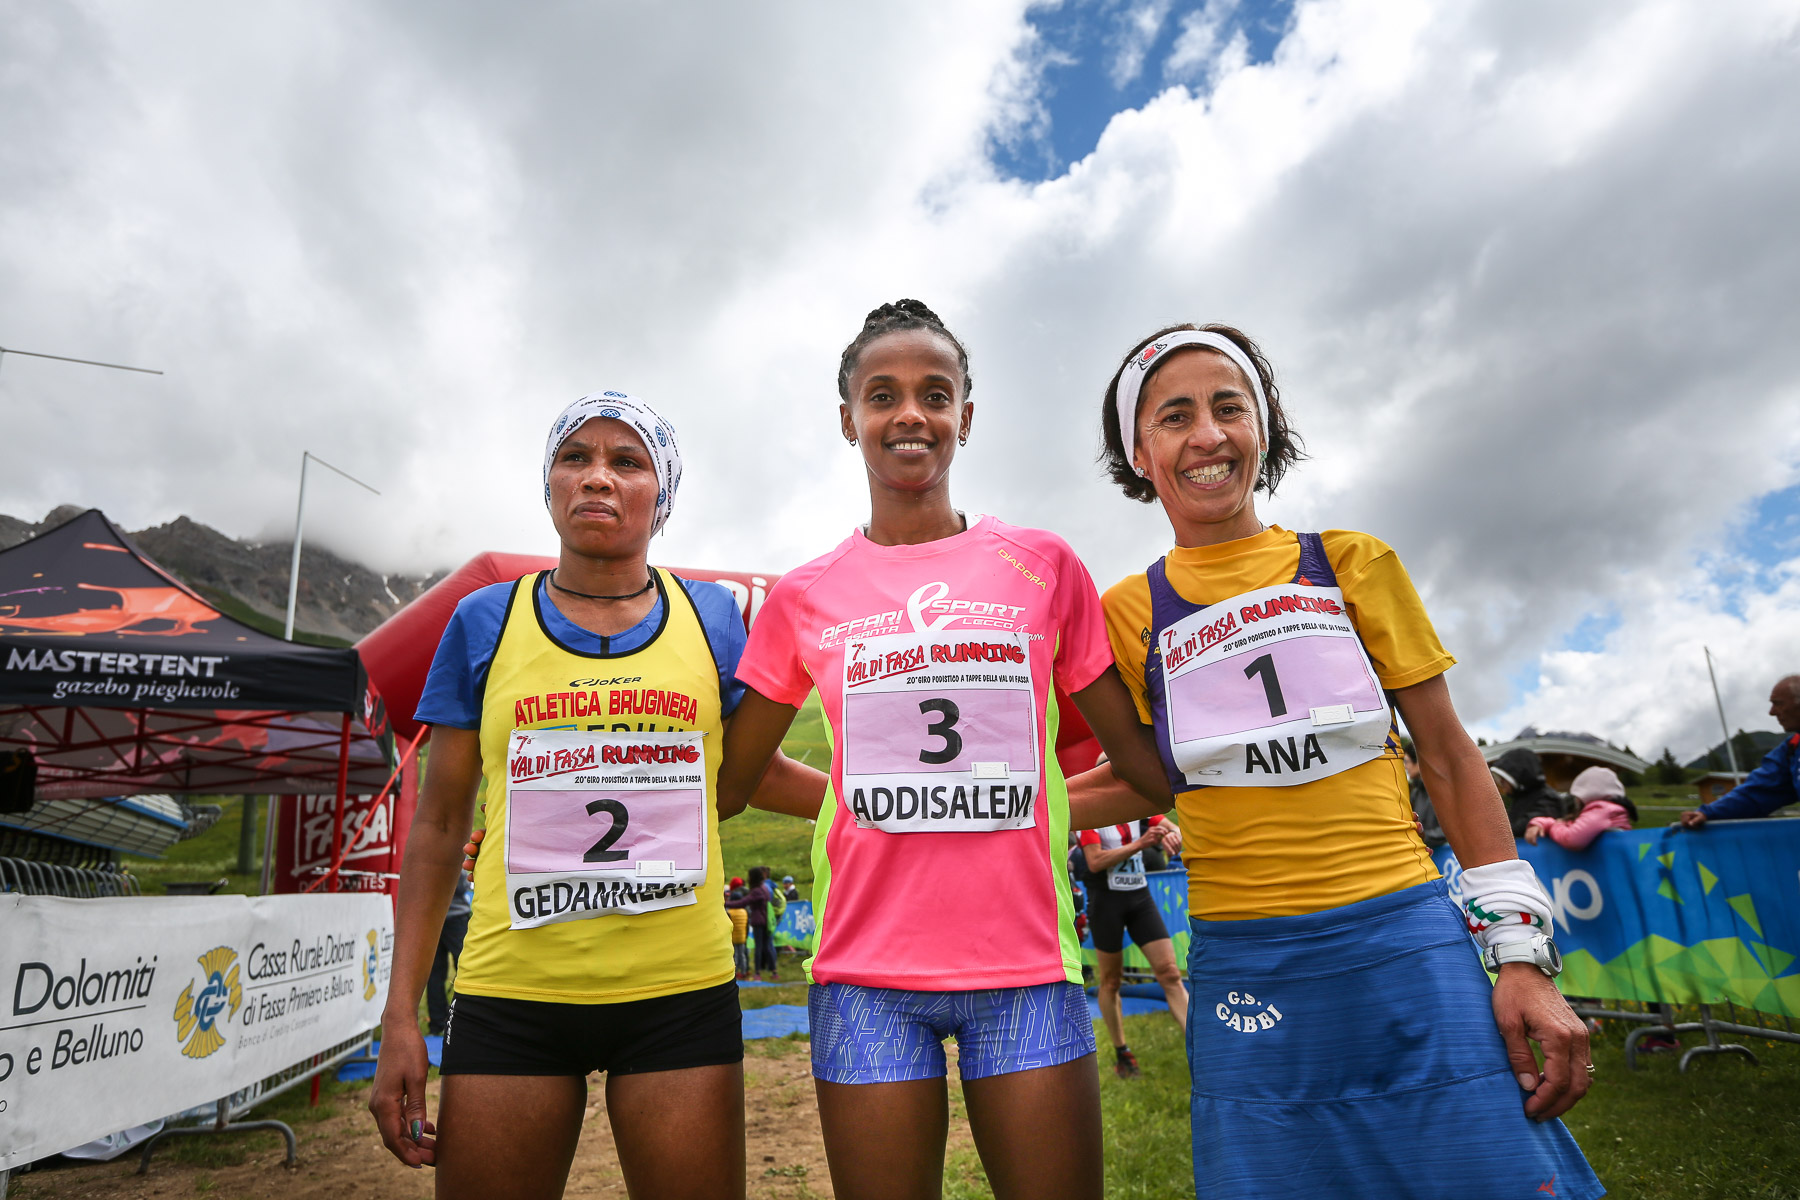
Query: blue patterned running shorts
[(889, 1035)]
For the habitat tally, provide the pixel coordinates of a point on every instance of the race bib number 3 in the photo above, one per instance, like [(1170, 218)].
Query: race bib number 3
[(940, 733), (1270, 688), (603, 823)]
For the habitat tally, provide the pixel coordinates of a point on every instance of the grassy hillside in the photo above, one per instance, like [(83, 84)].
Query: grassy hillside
[(759, 839)]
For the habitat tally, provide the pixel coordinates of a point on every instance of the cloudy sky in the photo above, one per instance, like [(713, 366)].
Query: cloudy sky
[(1529, 273)]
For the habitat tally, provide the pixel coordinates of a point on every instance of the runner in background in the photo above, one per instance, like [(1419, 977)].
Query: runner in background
[(755, 904), (449, 949), (939, 900), (1335, 1000), (740, 927), (592, 700), (1120, 903)]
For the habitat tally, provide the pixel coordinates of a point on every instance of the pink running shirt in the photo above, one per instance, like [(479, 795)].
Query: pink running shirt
[(938, 859)]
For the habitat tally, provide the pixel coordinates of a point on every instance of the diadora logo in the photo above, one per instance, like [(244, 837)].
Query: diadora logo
[(1241, 1012), (371, 961), (198, 1014)]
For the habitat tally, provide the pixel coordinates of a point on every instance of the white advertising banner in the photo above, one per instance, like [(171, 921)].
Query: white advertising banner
[(116, 1012)]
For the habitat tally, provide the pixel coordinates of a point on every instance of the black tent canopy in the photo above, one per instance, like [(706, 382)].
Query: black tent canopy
[(117, 679)]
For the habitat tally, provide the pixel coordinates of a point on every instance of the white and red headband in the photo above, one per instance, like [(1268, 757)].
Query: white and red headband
[(1131, 381)]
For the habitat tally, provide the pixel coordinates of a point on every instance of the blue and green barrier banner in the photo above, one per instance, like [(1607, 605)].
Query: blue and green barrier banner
[(795, 928), (1677, 916)]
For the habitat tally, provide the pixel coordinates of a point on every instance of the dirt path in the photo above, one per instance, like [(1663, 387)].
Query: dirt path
[(340, 1155)]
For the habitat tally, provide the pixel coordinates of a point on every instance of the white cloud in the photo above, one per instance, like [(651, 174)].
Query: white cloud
[(1527, 276), (1644, 682), (1135, 30), (1199, 56)]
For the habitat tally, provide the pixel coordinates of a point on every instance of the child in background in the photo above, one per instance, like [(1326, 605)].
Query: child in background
[(740, 927), (1602, 805)]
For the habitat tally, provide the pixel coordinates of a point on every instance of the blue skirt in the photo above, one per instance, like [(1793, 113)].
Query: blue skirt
[(1353, 1053)]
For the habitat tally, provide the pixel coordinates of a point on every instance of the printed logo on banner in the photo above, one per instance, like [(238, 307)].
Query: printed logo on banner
[(197, 1015), (371, 962), (315, 819)]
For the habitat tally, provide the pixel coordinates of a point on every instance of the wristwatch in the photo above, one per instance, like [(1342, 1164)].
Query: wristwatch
[(1539, 951)]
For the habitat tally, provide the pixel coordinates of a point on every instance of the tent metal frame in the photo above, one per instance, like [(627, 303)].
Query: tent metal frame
[(129, 769)]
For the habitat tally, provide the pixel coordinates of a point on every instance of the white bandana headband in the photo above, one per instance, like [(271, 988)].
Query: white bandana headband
[(657, 433), (1131, 381)]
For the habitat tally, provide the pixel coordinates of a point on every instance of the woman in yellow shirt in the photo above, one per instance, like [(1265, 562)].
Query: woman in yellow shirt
[(592, 700), (1343, 1038)]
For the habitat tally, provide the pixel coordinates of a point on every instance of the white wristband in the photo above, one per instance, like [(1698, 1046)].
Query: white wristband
[(1494, 897)]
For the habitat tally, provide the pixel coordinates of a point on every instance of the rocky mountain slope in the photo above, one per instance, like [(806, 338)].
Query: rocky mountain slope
[(338, 599)]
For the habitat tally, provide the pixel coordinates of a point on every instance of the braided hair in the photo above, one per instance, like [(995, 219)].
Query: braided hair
[(896, 317)]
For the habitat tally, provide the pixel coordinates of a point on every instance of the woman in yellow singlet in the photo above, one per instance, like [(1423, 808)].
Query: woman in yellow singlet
[(592, 699), (1344, 1039)]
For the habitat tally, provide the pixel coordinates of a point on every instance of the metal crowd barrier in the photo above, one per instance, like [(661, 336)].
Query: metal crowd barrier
[(230, 1108), (1663, 1019), (55, 879)]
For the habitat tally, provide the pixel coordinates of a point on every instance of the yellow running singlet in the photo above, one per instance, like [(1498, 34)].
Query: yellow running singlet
[(588, 955)]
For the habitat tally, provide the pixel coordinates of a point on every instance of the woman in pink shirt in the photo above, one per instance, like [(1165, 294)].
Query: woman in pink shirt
[(933, 639), (1604, 806)]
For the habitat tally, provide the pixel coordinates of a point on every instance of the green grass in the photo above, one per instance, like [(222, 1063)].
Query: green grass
[(1724, 1131), (756, 839), (212, 855), (792, 991)]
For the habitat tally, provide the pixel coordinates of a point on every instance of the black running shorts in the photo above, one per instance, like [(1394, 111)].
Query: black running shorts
[(1111, 914), (490, 1035)]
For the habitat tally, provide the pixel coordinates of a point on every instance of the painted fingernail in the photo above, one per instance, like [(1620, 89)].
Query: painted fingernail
[(418, 1130)]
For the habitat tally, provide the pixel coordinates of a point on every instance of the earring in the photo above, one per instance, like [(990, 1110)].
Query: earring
[(963, 440), (852, 441), (1140, 471)]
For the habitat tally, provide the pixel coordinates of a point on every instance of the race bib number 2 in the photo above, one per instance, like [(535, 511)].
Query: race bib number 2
[(602, 823), (940, 732)]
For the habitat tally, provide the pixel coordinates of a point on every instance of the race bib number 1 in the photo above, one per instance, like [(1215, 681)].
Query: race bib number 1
[(940, 732), (602, 823), (1271, 688)]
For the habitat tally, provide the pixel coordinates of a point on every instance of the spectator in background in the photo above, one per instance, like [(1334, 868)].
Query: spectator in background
[(1120, 902), (755, 901), (1424, 815), (1601, 804), (788, 891), (1776, 781), (449, 949), (740, 927), (1520, 777), (1156, 858)]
